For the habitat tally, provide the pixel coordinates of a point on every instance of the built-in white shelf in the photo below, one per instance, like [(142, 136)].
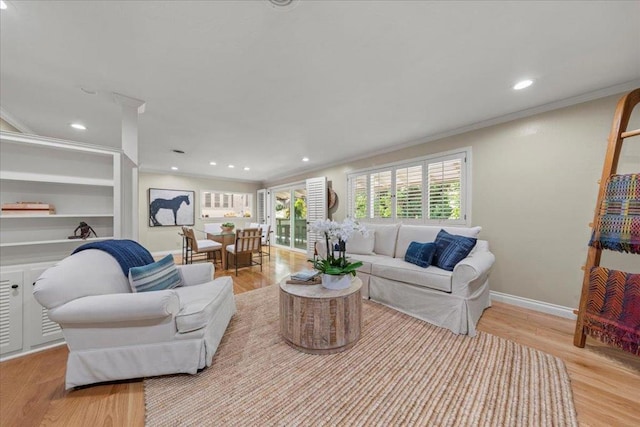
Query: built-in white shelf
[(46, 242), (79, 215), (49, 178)]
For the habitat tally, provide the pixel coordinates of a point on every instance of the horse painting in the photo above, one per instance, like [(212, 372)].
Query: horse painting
[(170, 204)]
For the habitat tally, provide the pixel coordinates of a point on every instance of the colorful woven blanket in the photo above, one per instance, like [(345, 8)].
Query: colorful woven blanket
[(127, 252), (613, 308), (618, 225)]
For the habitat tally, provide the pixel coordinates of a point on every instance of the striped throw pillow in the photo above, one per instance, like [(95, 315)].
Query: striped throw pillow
[(155, 277)]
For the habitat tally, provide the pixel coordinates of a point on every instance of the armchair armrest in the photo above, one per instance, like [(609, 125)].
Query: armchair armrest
[(196, 274), (117, 308)]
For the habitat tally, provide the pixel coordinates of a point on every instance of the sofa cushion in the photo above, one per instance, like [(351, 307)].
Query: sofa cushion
[(451, 249), (198, 303), (157, 276), (420, 254), (400, 271), (367, 261), (385, 237), (358, 243), (427, 233)]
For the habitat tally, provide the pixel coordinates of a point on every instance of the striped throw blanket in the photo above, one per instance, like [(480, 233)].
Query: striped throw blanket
[(128, 253), (613, 308), (618, 225)]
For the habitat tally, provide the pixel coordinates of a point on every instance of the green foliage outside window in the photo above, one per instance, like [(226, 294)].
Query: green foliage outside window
[(444, 200), (300, 208)]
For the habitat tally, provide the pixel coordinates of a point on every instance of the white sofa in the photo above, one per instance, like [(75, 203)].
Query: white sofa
[(450, 299), (113, 333)]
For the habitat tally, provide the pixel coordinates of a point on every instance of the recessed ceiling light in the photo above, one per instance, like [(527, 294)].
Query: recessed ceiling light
[(78, 126), (523, 84), (174, 168), (212, 163), (231, 166), (247, 168), (3, 5), (305, 159)]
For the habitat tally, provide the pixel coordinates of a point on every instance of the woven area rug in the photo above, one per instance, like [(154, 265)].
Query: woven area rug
[(402, 371)]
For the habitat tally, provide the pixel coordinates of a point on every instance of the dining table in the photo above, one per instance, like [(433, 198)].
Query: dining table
[(225, 238)]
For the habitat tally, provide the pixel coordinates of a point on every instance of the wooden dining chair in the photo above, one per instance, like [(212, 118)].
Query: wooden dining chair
[(249, 243), (205, 247), (265, 231)]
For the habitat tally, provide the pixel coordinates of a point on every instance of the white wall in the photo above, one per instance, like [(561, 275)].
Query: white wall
[(534, 192), (161, 239)]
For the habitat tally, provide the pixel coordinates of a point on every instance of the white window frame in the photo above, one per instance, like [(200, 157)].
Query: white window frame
[(465, 188)]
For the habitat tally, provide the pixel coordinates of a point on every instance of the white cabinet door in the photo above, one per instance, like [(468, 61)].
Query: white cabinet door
[(11, 289), (42, 329)]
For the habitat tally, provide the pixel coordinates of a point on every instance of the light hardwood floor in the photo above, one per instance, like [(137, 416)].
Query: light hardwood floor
[(605, 381)]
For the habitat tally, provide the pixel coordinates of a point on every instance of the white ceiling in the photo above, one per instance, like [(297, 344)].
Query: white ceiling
[(244, 83)]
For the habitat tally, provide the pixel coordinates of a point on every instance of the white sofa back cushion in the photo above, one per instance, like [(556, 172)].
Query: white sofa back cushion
[(428, 233), (385, 238), (88, 272), (360, 244)]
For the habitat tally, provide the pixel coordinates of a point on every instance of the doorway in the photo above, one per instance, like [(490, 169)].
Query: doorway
[(290, 213)]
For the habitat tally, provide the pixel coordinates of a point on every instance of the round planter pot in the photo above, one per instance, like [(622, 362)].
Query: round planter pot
[(330, 281)]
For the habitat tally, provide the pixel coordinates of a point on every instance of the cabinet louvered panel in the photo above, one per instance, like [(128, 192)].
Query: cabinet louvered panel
[(48, 327), (42, 329), (11, 311), (316, 208)]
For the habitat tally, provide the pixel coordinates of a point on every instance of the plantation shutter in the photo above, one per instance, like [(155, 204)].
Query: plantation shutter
[(409, 192), (316, 208), (444, 183), (261, 207), (357, 197), (380, 205)]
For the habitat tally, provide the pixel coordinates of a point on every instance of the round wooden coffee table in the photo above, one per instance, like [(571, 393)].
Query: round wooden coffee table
[(317, 320)]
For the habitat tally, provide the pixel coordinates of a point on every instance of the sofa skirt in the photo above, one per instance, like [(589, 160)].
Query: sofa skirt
[(458, 314)]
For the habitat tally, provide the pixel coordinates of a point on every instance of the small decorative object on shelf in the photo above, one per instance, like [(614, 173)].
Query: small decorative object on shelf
[(336, 270), (28, 208), (85, 231), (227, 227)]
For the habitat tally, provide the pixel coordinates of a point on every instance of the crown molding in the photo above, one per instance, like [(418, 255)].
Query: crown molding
[(13, 121)]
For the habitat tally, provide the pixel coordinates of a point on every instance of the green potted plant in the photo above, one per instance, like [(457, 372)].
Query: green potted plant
[(227, 227), (336, 270)]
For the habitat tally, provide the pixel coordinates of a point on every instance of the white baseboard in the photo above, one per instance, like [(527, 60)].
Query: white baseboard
[(541, 306), (35, 350)]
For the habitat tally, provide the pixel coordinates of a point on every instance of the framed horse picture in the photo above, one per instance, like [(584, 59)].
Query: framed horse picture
[(171, 207)]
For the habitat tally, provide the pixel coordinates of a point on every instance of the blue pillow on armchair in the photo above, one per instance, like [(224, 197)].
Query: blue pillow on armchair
[(420, 254), (451, 249)]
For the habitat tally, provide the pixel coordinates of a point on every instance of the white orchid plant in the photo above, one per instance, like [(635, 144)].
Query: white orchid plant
[(336, 234)]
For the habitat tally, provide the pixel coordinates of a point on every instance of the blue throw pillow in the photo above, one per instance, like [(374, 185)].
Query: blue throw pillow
[(155, 277), (420, 254), (451, 249)]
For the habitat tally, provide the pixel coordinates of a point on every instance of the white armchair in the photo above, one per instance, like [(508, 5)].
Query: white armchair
[(114, 334)]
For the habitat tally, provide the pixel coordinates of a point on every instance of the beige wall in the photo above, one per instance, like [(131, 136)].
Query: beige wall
[(6, 126), (534, 189), (159, 239)]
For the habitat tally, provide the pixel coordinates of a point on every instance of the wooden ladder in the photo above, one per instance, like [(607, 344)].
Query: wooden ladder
[(616, 136)]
